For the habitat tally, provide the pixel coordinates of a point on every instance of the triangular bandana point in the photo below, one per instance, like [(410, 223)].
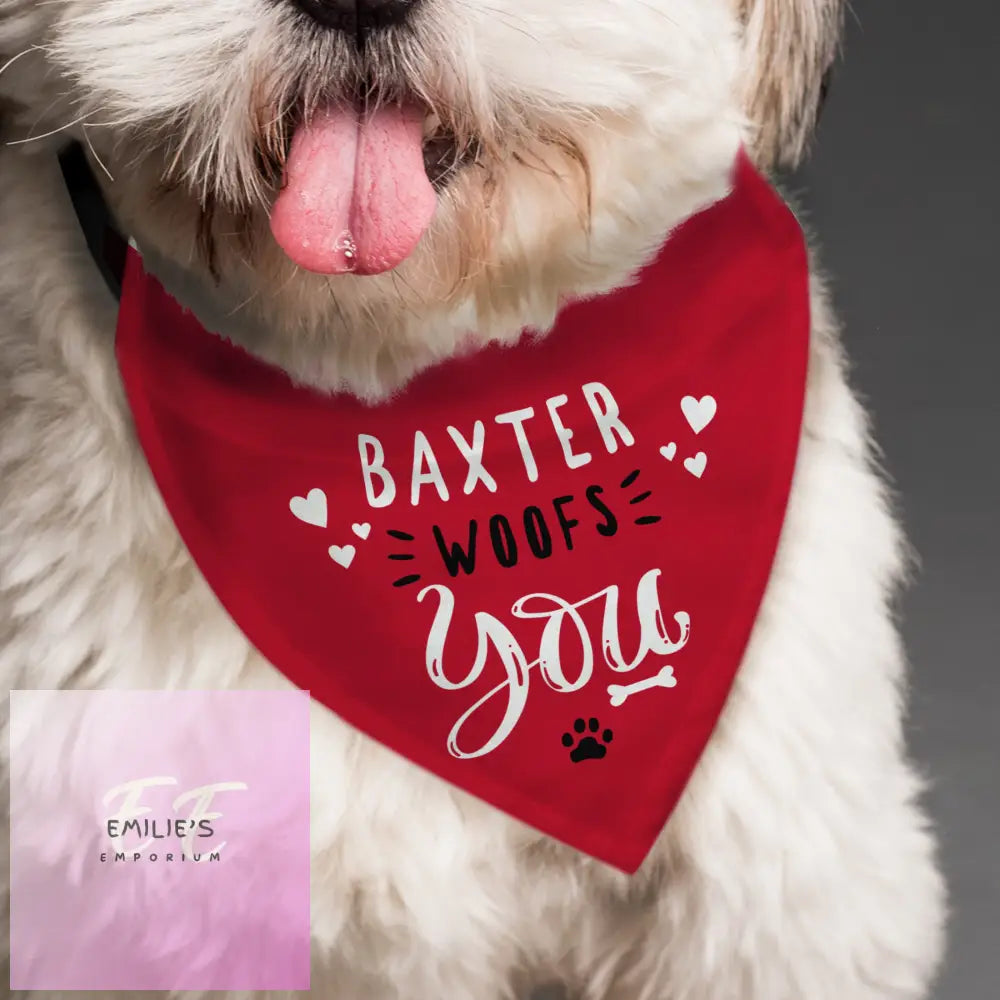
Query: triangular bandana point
[(535, 570)]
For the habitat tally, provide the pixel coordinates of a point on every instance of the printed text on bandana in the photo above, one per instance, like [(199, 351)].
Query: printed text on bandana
[(554, 525)]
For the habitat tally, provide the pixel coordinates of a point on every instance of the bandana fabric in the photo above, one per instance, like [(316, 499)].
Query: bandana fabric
[(534, 571)]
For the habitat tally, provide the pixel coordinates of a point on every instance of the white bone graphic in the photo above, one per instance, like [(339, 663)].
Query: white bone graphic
[(664, 679)]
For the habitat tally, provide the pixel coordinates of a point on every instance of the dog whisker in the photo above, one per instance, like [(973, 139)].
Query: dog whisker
[(46, 135), (10, 62), (90, 146)]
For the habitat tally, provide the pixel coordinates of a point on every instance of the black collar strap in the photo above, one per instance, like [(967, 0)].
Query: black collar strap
[(106, 244)]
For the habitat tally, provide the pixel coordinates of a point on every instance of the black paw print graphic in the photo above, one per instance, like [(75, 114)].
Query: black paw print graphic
[(590, 746)]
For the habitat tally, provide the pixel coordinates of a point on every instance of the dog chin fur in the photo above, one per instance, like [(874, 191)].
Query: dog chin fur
[(798, 862)]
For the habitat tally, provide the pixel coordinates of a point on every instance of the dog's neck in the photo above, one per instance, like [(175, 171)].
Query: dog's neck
[(374, 350)]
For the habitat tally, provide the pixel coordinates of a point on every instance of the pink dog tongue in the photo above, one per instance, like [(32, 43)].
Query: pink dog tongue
[(356, 194)]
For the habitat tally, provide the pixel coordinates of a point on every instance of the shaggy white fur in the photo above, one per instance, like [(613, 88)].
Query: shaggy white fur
[(798, 863)]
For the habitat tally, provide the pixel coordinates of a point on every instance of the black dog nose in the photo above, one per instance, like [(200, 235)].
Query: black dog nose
[(357, 16)]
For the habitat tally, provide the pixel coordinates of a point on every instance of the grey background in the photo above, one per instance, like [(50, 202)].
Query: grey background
[(902, 194)]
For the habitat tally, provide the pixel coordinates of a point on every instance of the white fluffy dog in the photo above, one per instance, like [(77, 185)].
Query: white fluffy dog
[(798, 863)]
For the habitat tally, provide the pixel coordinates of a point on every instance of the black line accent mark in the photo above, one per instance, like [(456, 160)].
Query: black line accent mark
[(405, 581), (401, 535), (402, 555), (641, 497), (649, 519), (630, 479)]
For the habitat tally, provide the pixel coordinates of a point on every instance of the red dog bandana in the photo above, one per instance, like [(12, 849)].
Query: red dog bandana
[(534, 571)]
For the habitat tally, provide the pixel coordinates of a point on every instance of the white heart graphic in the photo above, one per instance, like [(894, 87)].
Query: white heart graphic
[(669, 450), (696, 465), (343, 555), (362, 530), (310, 508), (698, 412)]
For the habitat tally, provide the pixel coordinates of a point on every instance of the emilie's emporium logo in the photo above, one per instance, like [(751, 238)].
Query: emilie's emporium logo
[(183, 835)]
